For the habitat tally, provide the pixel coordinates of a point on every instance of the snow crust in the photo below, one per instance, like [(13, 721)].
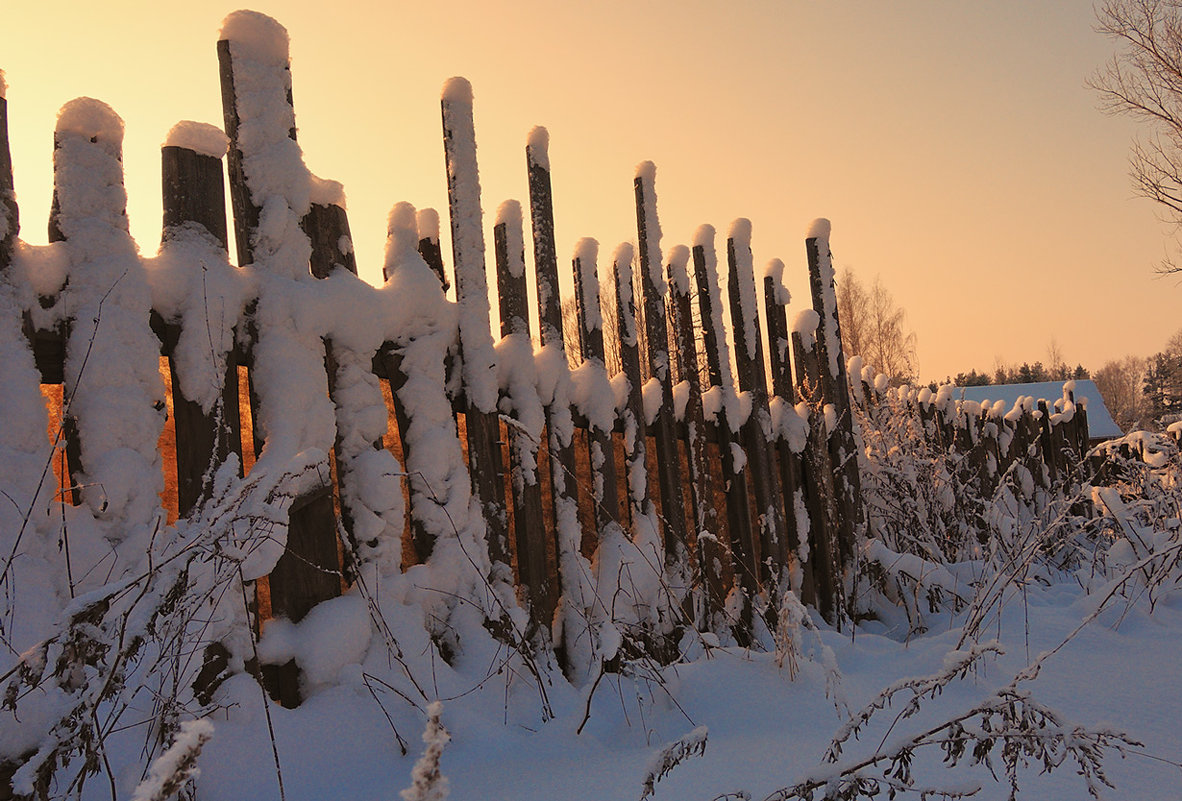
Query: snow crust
[(586, 255), (538, 147), (740, 236), (200, 137), (818, 229), (87, 118), (261, 35), (775, 271), (428, 224)]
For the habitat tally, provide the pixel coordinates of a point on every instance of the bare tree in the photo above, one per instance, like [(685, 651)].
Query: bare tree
[(1144, 80), (1120, 382), (873, 327)]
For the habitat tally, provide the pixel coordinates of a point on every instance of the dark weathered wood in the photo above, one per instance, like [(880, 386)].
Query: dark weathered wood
[(559, 424), (636, 439), (756, 430), (835, 386), (529, 528), (1047, 442), (9, 212), (482, 426), (663, 426), (738, 510), (711, 596), (193, 193), (599, 440), (788, 462), (309, 569), (822, 583)]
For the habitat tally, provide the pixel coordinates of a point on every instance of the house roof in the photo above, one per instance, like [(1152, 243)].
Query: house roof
[(1100, 422)]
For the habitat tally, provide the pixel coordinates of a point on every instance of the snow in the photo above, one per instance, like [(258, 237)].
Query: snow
[(92, 119), (202, 138), (326, 192), (740, 237), (587, 254), (3, 86), (679, 256), (818, 229), (468, 246), (775, 271), (538, 147), (646, 174), (265, 38), (1087, 394), (428, 224)]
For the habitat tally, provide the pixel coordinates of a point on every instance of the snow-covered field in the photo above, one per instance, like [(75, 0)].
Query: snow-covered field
[(768, 721)]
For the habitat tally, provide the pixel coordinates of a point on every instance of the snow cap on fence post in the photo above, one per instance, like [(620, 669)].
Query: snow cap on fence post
[(740, 238), (586, 256), (264, 37), (463, 182), (678, 262), (200, 137), (775, 271), (3, 87), (538, 147), (622, 260)]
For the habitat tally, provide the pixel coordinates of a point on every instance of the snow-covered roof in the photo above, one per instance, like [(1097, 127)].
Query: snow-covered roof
[(1100, 422)]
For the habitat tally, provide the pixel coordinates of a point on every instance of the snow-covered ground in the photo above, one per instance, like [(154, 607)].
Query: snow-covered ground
[(769, 720)]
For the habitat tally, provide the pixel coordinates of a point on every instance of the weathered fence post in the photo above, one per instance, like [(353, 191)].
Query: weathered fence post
[(524, 436), (835, 389), (757, 428), (775, 299), (476, 348), (574, 572), (599, 426), (9, 212), (742, 539), (711, 595), (309, 569), (193, 193), (663, 428), (822, 581)]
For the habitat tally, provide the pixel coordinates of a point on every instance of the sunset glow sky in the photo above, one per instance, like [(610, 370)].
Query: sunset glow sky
[(952, 144)]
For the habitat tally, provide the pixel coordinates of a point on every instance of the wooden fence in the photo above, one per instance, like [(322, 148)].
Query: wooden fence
[(739, 461)]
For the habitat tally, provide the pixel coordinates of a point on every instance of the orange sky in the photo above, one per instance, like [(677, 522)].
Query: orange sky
[(952, 144)]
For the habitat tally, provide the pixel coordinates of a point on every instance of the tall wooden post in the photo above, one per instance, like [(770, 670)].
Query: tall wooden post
[(599, 431), (775, 300), (193, 192), (668, 459), (476, 351), (309, 570), (757, 428), (9, 212), (711, 595), (734, 476), (529, 528), (835, 389)]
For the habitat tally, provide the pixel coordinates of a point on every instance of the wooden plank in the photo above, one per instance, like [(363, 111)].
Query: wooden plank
[(309, 570), (600, 442), (738, 511), (756, 430), (775, 303), (652, 286), (482, 426), (529, 528), (193, 192), (9, 211), (822, 583), (573, 570), (835, 389), (711, 596)]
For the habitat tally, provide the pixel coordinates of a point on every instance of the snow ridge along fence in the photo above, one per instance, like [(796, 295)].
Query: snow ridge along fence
[(390, 439)]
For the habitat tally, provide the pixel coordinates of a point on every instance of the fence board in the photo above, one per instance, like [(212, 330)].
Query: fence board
[(756, 430), (193, 192), (657, 336)]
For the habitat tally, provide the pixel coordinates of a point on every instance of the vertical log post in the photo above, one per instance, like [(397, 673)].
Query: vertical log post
[(822, 582), (9, 212), (663, 428), (835, 389), (599, 439), (193, 192), (573, 571), (711, 596), (757, 428), (529, 528), (309, 570), (775, 301), (476, 351), (738, 510)]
